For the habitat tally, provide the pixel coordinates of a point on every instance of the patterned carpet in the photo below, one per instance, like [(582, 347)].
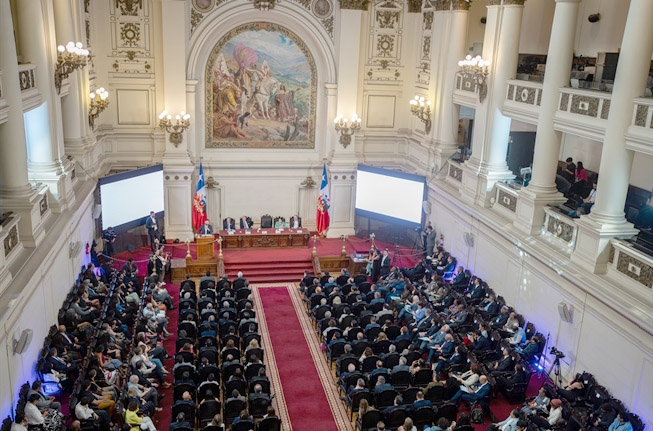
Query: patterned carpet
[(306, 396)]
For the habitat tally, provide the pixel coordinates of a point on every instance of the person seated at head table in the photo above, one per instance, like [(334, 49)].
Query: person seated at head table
[(280, 223)]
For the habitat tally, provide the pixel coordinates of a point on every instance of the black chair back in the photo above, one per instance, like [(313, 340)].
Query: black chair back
[(396, 418), (269, 424), (208, 409), (422, 417)]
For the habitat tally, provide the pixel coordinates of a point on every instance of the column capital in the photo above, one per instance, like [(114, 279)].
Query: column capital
[(506, 2), (354, 4), (460, 4), (414, 6), (442, 5)]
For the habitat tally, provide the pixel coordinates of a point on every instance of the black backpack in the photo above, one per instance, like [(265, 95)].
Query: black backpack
[(476, 414)]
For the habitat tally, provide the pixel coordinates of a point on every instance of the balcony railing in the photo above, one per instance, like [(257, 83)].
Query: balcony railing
[(523, 100), (640, 133), (560, 228), (588, 103), (28, 86)]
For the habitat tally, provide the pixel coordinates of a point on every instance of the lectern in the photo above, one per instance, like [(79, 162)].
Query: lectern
[(205, 247)]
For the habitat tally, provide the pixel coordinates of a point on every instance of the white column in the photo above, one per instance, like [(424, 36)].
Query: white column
[(487, 164), (446, 120), (47, 163), (15, 192), (607, 219), (177, 167), (343, 160), (541, 190)]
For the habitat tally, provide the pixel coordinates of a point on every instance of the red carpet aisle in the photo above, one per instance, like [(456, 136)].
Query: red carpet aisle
[(164, 417), (308, 388)]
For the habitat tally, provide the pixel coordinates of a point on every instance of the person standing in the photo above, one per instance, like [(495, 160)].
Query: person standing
[(152, 230), (429, 245), (206, 228), (108, 238)]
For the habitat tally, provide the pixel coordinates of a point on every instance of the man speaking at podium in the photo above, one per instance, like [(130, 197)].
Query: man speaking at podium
[(205, 229)]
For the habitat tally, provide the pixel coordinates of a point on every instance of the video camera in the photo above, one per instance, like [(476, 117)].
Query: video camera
[(557, 353)]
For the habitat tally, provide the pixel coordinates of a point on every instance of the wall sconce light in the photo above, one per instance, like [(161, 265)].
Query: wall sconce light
[(70, 58), (182, 122), (476, 69), (99, 102), (421, 108), (347, 128)]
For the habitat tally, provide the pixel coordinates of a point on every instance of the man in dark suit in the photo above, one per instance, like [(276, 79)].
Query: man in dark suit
[(381, 385), (489, 307), (246, 222), (295, 222), (206, 228), (152, 230), (460, 280), (399, 401), (420, 402), (501, 319), (385, 263), (479, 343), (508, 381), (445, 350), (482, 390), (109, 238), (503, 365), (403, 365), (228, 224), (477, 291)]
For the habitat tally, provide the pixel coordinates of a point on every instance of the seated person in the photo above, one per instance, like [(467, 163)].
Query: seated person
[(280, 223), (246, 222), (228, 224), (206, 228), (180, 422), (538, 404), (621, 423), (555, 416), (295, 222), (477, 392)]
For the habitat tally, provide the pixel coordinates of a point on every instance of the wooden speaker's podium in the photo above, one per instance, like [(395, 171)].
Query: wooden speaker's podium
[(205, 247)]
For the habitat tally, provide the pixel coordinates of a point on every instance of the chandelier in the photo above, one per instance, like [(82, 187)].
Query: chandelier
[(69, 58), (476, 69)]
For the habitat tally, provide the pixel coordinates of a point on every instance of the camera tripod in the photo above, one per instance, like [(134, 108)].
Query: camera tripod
[(555, 368)]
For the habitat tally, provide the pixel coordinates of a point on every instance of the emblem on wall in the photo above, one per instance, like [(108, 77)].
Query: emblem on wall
[(261, 85)]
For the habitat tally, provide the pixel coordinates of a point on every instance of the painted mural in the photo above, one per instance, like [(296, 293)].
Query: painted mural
[(260, 90)]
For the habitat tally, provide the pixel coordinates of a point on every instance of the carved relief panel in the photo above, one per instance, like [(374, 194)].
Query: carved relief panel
[(131, 37), (423, 73), (385, 39)]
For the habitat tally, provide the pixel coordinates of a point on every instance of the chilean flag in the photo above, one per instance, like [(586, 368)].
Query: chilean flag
[(199, 202), (323, 204)]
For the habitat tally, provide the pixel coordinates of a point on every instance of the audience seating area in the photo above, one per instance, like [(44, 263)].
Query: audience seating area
[(403, 348), (227, 377)]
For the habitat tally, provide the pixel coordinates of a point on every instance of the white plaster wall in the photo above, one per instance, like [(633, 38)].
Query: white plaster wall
[(640, 174), (536, 27), (581, 149), (602, 36), (37, 291)]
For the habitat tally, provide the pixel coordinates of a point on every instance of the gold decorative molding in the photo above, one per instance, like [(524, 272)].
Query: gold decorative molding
[(460, 4), (309, 182), (440, 5), (354, 4), (506, 2), (414, 6)]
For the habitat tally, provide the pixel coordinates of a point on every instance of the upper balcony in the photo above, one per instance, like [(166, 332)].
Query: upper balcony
[(583, 112), (523, 99), (640, 133), (30, 95), (28, 88)]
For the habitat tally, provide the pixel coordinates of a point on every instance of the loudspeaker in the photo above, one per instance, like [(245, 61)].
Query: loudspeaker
[(426, 207), (595, 17), (565, 312), (22, 343)]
